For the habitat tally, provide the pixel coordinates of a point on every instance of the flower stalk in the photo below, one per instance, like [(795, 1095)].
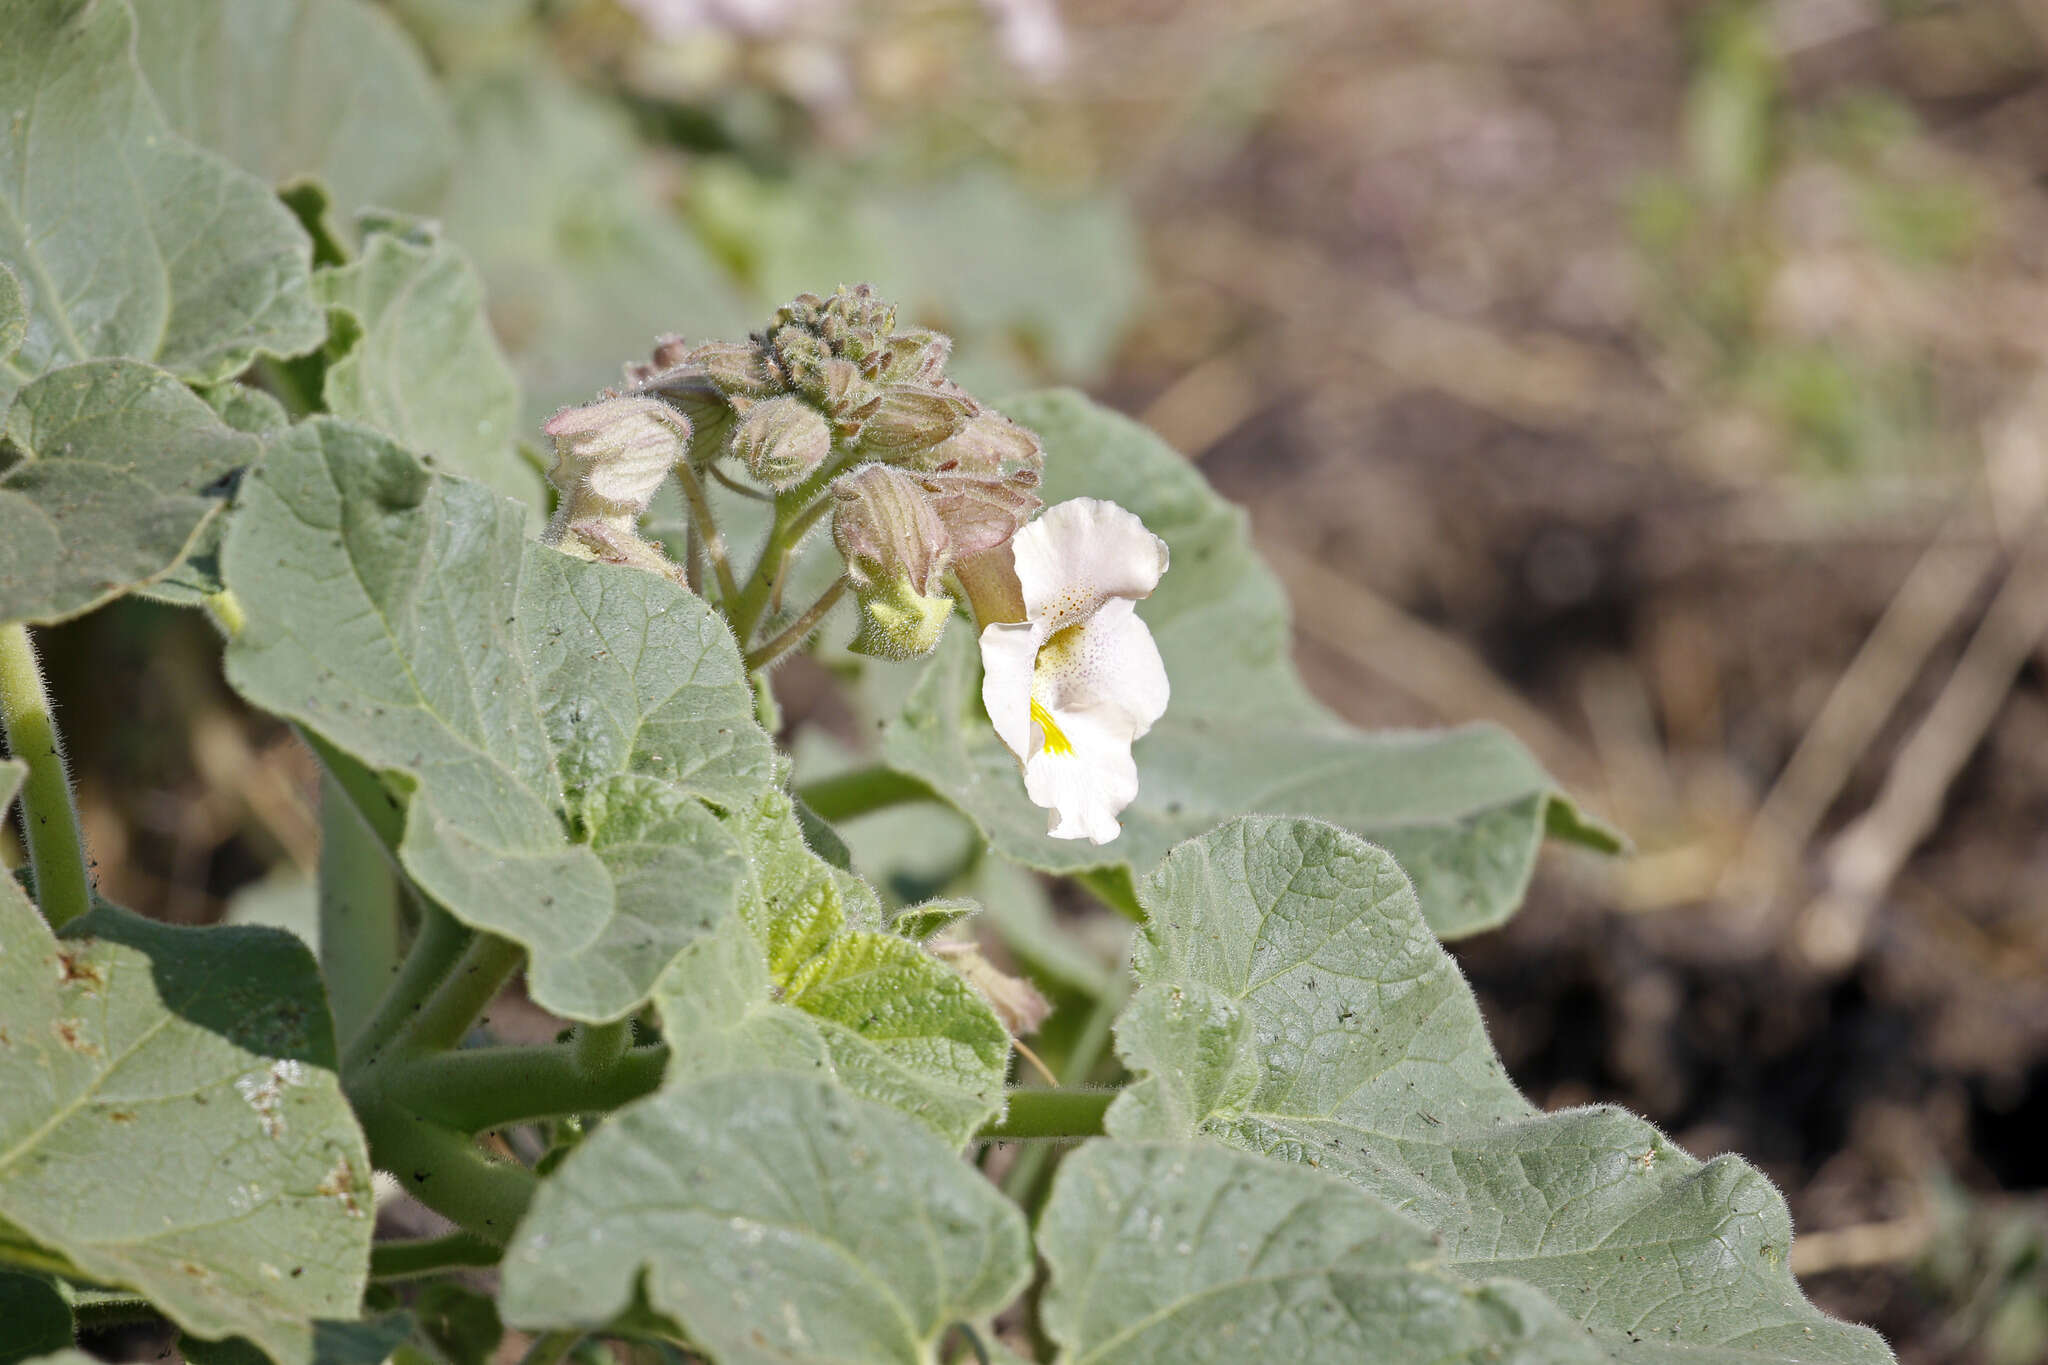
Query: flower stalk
[(49, 820)]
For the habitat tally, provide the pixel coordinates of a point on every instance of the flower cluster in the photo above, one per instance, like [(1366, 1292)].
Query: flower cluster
[(831, 410)]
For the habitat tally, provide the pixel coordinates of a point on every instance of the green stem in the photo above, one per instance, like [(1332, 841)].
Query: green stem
[(379, 809), (359, 911), (48, 819), (99, 1315), (445, 1017), (443, 1170), (597, 1048), (436, 949), (795, 512), (1050, 1114), (413, 1259), (551, 1348), (708, 535), (864, 790), (481, 1088), (1026, 1180), (763, 655)]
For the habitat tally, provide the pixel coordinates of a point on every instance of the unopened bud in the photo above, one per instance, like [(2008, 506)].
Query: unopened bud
[(1015, 1001), (782, 440), (980, 512), (611, 455), (738, 368), (885, 527), (916, 358), (912, 418), (987, 443)]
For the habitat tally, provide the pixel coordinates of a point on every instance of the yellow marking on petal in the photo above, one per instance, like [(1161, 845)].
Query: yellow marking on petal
[(1056, 743)]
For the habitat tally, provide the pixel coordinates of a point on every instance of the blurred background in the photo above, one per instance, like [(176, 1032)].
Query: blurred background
[(1665, 381)]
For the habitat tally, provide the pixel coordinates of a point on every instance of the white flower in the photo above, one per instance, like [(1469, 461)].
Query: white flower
[(1072, 685)]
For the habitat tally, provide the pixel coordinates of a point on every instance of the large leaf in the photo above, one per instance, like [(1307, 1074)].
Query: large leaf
[(553, 727), (423, 367), (583, 264), (291, 90), (776, 1218), (184, 1078), (791, 984), (1294, 1003), (1169, 1254), (121, 469), (128, 240), (1464, 810), (35, 1315)]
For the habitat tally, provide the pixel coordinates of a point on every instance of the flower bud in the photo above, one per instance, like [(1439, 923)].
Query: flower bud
[(738, 368), (1015, 1000), (885, 528), (898, 622), (987, 443), (781, 440), (980, 512), (915, 358), (912, 418), (611, 455)]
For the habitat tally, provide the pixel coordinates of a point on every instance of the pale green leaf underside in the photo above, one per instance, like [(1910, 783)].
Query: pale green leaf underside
[(1294, 1003), (13, 313), (1177, 1254), (114, 486), (426, 370), (776, 1218), (12, 771), (1464, 810), (583, 265), (551, 726), (127, 240), (290, 90), (170, 1121), (796, 983)]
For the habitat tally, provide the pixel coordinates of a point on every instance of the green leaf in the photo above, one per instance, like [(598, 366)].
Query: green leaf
[(128, 240), (35, 1316), (582, 264), (122, 471), (1464, 810), (1163, 1252), (552, 727), (1294, 1003), (185, 1077), (293, 90), (196, 575), (13, 314), (424, 368), (790, 985), (369, 1342), (776, 1218)]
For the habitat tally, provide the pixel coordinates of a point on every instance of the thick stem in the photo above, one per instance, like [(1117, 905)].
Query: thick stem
[(445, 1017), (798, 630), (708, 535), (481, 1088), (1050, 1114), (419, 1257), (359, 905), (597, 1048), (443, 1170), (436, 948), (48, 819), (851, 794)]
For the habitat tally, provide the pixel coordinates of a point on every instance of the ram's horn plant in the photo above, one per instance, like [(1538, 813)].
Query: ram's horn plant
[(551, 759)]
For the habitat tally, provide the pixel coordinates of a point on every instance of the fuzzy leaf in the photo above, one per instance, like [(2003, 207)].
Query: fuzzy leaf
[(425, 369), (127, 240), (1464, 810), (292, 90), (582, 264), (776, 1218), (1294, 1003), (792, 986), (123, 470), (185, 1077), (1168, 1253), (13, 314), (551, 726)]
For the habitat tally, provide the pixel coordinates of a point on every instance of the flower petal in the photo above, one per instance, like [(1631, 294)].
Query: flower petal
[(1082, 553), (1109, 662), (1087, 786), (1008, 652)]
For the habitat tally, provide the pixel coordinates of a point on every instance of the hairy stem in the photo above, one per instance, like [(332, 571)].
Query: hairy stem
[(486, 964), (597, 1048), (359, 911), (419, 1257), (49, 821), (798, 630), (436, 949), (708, 536), (1050, 1114), (851, 794), (444, 1170), (481, 1088)]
